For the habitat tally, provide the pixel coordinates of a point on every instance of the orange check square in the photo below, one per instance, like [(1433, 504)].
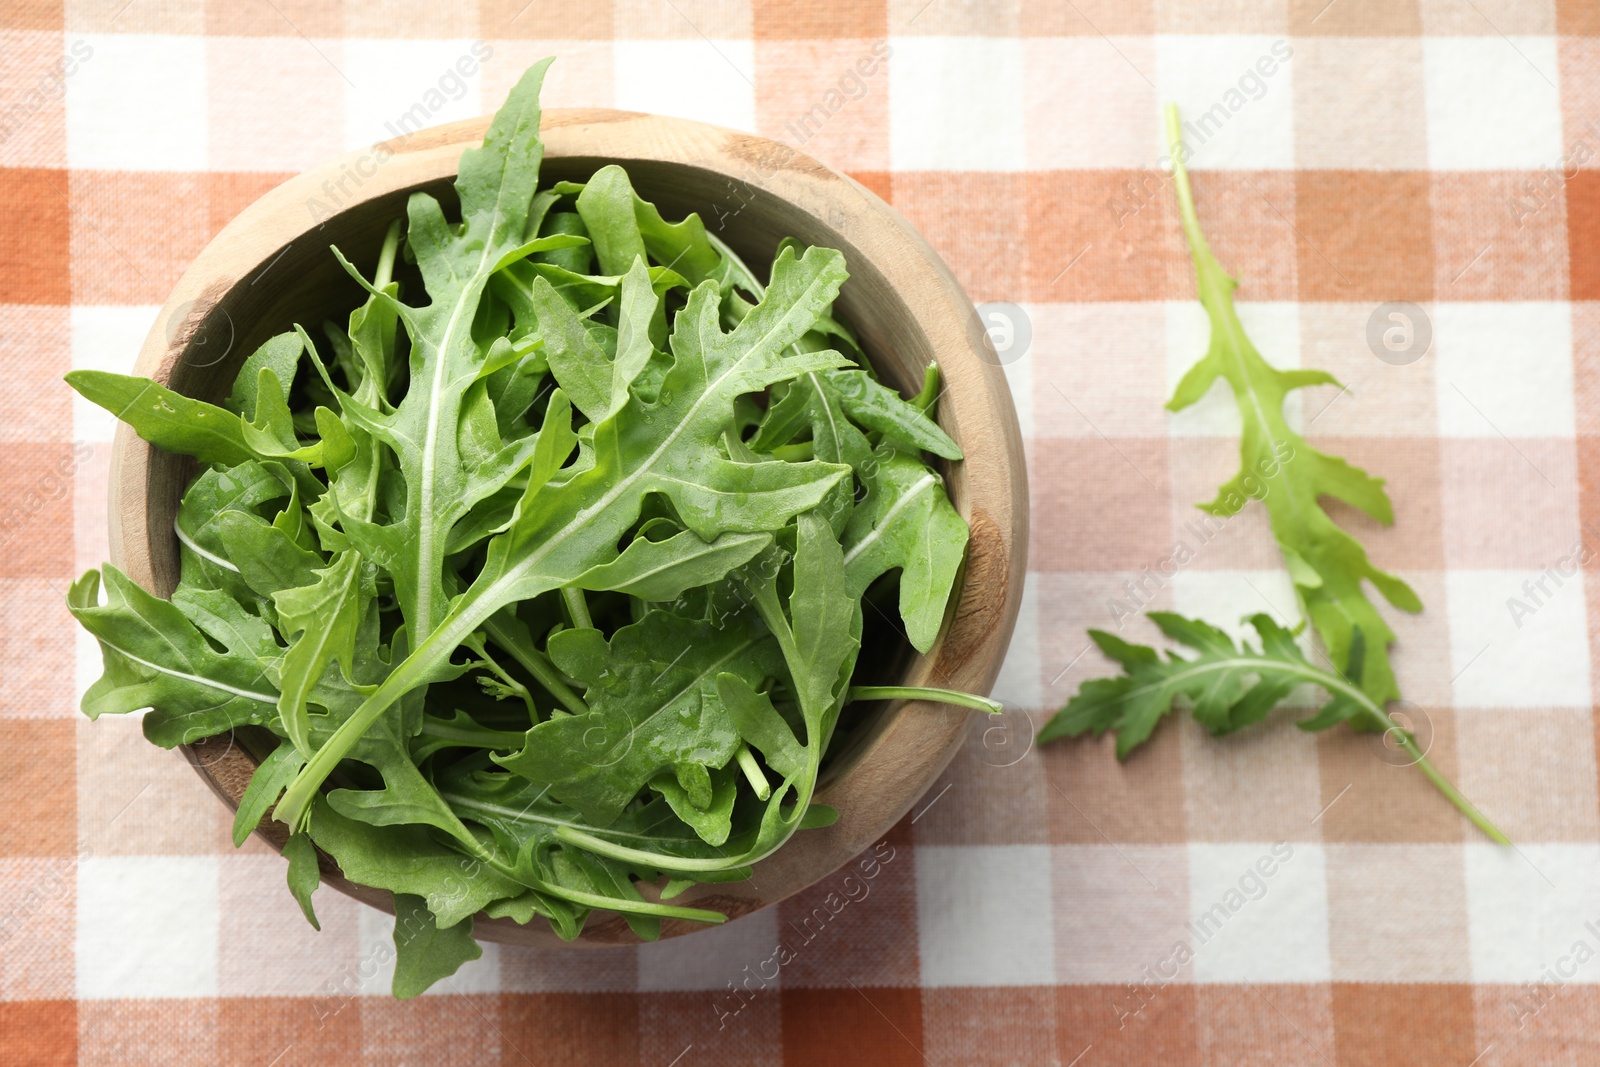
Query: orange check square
[(1371, 1020), (41, 1033), (865, 1024), (1383, 251), (43, 800), (35, 244)]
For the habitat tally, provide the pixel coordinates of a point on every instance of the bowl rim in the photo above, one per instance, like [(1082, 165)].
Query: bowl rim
[(914, 740)]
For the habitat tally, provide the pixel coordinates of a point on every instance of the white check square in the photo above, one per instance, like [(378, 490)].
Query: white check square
[(1258, 913), (1504, 369), (1492, 102), (1532, 910), (984, 915), (955, 103), (703, 79), (139, 103), (147, 927), (1518, 639), (1089, 102)]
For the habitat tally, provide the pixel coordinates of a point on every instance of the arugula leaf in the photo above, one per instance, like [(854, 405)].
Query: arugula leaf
[(168, 419), (322, 620), (406, 859), (156, 657), (705, 802), (304, 877), (181, 424), (245, 487), (836, 402), (266, 556), (664, 570), (271, 775), (879, 408), (579, 362), (906, 521), (1228, 686), (823, 634), (404, 796), (498, 205), (355, 459), (281, 356), (1289, 477), (424, 951), (654, 706), (623, 227), (760, 724)]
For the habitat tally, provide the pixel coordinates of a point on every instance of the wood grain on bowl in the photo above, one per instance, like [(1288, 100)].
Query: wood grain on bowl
[(270, 268)]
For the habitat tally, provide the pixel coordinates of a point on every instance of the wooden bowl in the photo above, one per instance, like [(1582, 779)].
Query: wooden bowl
[(271, 267)]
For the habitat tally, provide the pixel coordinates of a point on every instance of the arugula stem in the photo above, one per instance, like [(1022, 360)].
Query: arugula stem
[(605, 903), (917, 692), (752, 772), (1198, 248), (537, 664), (391, 244), (1385, 722), (577, 607), (480, 737), (924, 400), (1442, 784), (477, 644)]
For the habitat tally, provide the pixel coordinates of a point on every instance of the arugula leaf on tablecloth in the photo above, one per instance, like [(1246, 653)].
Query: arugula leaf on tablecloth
[(1328, 566), (1228, 685)]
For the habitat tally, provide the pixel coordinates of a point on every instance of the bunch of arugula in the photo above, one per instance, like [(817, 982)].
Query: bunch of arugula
[(557, 577), (1229, 685)]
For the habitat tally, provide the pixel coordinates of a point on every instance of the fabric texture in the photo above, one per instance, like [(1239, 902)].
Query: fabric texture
[(1333, 909)]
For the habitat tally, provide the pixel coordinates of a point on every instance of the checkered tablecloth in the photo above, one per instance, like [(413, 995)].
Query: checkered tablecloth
[(1331, 907)]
